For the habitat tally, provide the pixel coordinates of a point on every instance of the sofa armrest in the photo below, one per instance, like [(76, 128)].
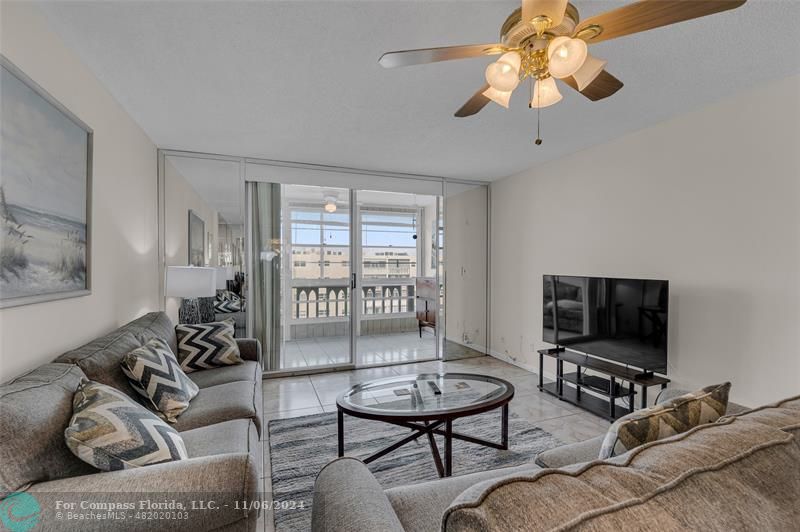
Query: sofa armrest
[(229, 480), (250, 349), (572, 453), (347, 498)]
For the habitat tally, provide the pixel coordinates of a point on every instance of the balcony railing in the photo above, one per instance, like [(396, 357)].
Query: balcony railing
[(328, 299)]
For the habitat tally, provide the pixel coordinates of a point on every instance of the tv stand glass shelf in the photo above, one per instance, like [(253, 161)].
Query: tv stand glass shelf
[(572, 387)]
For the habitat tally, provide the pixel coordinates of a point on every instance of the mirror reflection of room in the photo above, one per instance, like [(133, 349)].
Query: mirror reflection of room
[(205, 274), (465, 268)]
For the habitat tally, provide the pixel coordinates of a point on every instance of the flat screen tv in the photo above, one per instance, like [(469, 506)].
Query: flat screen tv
[(623, 320)]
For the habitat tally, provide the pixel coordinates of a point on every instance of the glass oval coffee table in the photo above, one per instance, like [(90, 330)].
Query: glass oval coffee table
[(427, 404)]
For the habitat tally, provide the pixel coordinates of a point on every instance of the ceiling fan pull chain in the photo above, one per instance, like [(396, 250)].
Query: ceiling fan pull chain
[(538, 140)]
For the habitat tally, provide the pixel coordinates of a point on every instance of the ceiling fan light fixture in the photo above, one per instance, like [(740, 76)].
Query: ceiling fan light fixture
[(503, 74), (545, 93), (586, 74), (498, 97), (566, 56)]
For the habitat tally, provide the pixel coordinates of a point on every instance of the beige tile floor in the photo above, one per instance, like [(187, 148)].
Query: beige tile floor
[(314, 394)]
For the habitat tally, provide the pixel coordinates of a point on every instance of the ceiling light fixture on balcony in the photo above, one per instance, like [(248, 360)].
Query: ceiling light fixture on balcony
[(330, 204)]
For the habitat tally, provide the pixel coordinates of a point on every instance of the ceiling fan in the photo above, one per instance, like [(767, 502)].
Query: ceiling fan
[(545, 40)]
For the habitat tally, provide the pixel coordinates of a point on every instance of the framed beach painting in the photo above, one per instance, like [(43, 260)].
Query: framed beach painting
[(197, 242), (45, 195)]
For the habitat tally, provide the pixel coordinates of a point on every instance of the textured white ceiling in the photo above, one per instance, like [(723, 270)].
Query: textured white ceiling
[(299, 81)]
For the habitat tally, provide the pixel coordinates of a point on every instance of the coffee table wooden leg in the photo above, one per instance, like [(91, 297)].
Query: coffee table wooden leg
[(340, 416), (504, 428), (437, 459), (448, 448)]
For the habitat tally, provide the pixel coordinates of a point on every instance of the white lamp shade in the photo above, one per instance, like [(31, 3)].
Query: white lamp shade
[(224, 273), (566, 56), (268, 255), (586, 74), (499, 97), (545, 93), (191, 281), (503, 74)]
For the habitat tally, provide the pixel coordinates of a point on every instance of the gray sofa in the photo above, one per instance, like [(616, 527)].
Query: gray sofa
[(740, 473), (221, 430)]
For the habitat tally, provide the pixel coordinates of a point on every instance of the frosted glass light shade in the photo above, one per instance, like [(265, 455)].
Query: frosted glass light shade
[(191, 281), (503, 74), (545, 93), (512, 59), (498, 97), (586, 74), (330, 203), (566, 56)]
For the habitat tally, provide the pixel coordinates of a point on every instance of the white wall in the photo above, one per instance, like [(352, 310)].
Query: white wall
[(124, 235), (709, 200), (180, 198)]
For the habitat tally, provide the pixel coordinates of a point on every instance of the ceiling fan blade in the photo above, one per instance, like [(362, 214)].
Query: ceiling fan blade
[(603, 86), (432, 55), (474, 104), (647, 15), (548, 8)]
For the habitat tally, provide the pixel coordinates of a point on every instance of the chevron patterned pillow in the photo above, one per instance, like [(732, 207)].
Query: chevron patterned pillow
[(156, 375), (228, 306), (207, 345), (109, 431), (666, 419)]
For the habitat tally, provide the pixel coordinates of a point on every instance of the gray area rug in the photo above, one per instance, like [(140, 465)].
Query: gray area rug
[(300, 447)]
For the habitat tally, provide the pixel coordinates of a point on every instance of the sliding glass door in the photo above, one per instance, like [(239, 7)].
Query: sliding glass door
[(396, 277), (343, 277)]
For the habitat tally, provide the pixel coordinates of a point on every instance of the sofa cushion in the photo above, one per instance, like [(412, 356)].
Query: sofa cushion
[(420, 506), (154, 325), (100, 359), (156, 375), (36, 407), (224, 402), (735, 474), (665, 419), (235, 436), (207, 345), (238, 436), (246, 371), (111, 432)]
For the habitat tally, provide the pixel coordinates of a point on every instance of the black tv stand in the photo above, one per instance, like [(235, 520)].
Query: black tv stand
[(583, 391)]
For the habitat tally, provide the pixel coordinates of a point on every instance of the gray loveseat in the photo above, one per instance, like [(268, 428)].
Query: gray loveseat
[(740, 473), (221, 430)]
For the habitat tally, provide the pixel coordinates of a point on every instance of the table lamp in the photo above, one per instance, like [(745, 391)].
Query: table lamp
[(224, 274), (189, 283)]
